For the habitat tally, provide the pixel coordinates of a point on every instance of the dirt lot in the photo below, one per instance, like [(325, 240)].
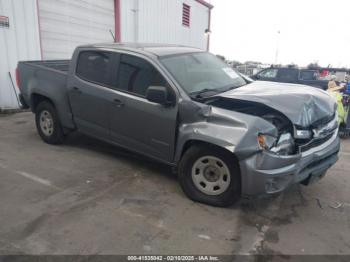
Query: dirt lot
[(86, 197)]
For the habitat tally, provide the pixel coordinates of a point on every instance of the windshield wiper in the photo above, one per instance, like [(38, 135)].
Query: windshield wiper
[(207, 92), (228, 88)]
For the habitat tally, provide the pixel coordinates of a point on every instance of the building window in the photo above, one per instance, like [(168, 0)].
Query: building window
[(186, 15)]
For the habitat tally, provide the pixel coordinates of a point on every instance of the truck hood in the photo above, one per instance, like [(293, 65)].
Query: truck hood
[(303, 105)]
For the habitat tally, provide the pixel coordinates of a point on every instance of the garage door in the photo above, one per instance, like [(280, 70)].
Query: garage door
[(65, 24)]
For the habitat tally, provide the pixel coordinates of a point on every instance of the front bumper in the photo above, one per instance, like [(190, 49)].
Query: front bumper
[(269, 173)]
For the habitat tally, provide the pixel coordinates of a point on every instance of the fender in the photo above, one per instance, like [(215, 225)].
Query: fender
[(42, 84), (233, 131)]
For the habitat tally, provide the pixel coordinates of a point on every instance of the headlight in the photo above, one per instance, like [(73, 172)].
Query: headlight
[(283, 146), (266, 141)]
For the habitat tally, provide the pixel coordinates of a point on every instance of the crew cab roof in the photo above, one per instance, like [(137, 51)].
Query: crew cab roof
[(147, 48)]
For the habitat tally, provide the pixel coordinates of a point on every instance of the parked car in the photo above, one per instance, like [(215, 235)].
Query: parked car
[(292, 75), (186, 108)]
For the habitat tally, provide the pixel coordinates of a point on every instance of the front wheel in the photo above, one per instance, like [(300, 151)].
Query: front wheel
[(48, 123), (210, 175)]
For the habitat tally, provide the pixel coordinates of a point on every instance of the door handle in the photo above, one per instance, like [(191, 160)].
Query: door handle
[(77, 90), (118, 103)]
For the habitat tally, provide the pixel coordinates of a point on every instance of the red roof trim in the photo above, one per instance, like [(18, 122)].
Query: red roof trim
[(117, 20), (205, 3)]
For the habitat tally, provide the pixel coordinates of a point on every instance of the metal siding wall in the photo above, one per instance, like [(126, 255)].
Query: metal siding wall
[(19, 42), (127, 20), (66, 24), (160, 21), (199, 20)]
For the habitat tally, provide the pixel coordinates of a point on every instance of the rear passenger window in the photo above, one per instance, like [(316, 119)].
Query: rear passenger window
[(94, 66), (136, 75)]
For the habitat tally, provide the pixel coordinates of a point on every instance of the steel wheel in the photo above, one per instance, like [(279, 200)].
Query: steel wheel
[(46, 123), (211, 175)]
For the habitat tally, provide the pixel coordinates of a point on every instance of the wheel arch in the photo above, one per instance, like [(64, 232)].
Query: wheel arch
[(37, 98), (193, 142)]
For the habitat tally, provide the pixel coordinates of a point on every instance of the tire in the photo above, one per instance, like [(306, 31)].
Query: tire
[(48, 123), (201, 163)]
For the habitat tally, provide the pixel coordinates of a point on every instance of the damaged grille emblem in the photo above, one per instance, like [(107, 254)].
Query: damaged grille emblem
[(325, 130)]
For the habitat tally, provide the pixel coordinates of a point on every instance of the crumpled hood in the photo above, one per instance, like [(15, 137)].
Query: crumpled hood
[(303, 105)]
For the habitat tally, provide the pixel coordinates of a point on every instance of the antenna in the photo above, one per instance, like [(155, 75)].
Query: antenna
[(110, 30)]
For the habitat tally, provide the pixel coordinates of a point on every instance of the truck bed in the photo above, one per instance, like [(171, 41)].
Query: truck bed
[(57, 65), (48, 79)]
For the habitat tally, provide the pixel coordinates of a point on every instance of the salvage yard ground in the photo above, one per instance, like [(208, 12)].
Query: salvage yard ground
[(87, 197)]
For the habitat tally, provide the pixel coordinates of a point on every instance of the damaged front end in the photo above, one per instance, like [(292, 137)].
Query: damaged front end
[(282, 142), (293, 154)]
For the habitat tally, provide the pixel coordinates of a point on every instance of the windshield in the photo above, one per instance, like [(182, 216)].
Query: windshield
[(202, 72)]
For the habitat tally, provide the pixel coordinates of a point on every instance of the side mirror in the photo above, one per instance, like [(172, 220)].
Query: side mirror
[(157, 94)]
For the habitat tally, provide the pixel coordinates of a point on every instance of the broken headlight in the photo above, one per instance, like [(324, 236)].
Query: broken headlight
[(266, 141), (284, 145)]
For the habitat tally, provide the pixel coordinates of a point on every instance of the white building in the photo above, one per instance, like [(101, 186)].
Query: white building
[(51, 29)]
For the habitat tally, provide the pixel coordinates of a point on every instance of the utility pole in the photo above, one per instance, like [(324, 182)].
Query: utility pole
[(277, 46)]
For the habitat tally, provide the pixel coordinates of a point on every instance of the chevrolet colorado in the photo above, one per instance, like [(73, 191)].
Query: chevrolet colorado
[(182, 106)]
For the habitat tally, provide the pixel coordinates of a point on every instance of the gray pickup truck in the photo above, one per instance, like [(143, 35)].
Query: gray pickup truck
[(227, 136)]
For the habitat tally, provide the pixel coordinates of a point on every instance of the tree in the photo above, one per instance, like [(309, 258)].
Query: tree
[(314, 65), (235, 63)]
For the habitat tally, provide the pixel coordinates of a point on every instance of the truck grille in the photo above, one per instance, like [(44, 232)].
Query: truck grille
[(315, 143), (324, 121), (322, 134)]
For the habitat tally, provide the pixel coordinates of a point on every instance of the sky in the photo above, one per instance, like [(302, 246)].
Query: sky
[(310, 31)]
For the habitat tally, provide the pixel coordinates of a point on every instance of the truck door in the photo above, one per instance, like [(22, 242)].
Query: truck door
[(89, 92), (137, 123)]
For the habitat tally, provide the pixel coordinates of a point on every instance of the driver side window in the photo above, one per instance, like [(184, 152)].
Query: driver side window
[(136, 75), (269, 73)]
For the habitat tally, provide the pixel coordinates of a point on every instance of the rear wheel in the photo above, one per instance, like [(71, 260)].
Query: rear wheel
[(48, 123), (210, 175)]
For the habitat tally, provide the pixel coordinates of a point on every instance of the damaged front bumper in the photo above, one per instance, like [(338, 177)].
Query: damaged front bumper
[(267, 173)]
